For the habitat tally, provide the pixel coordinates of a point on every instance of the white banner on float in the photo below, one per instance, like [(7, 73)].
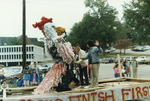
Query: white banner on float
[(113, 94)]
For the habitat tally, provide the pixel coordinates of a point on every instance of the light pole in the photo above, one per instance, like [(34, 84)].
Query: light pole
[(24, 35)]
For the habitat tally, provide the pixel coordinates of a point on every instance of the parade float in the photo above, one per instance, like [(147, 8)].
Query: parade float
[(119, 89), (59, 84)]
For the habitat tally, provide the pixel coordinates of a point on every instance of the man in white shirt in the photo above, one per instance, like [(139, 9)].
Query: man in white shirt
[(82, 65)]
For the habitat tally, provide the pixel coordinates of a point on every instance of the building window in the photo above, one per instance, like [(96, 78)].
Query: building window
[(12, 49), (0, 49), (7, 57), (32, 56), (19, 56), (19, 49), (27, 49), (29, 56), (10, 57), (14, 56), (0, 57), (32, 49), (4, 49), (9, 49)]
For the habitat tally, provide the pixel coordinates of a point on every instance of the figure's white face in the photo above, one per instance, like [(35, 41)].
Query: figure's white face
[(49, 29)]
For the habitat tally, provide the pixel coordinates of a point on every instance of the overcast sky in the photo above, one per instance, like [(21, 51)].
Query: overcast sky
[(64, 13)]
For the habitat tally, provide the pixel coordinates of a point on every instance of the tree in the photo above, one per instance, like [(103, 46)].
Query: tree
[(99, 23), (137, 18), (39, 43), (81, 32), (15, 41), (123, 44)]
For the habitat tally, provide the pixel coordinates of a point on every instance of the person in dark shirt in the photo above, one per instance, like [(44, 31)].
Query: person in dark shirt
[(19, 82)]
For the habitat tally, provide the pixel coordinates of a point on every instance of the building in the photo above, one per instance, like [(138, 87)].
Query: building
[(12, 40), (12, 54)]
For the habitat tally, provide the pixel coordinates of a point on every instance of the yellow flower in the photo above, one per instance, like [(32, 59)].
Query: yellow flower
[(60, 31)]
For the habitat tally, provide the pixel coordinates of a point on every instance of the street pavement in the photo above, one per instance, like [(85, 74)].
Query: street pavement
[(106, 72)]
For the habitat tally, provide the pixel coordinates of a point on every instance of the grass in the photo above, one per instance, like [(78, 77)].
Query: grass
[(114, 55), (46, 62), (12, 85)]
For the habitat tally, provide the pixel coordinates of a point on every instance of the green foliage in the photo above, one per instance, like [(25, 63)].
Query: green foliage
[(39, 43), (137, 18), (99, 23), (15, 41)]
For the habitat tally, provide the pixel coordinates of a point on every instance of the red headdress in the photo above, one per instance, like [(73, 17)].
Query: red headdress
[(40, 24)]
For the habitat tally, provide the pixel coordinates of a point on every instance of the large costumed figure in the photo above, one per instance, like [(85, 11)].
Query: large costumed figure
[(62, 54)]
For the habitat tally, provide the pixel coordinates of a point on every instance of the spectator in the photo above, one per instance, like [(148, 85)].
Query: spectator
[(26, 79), (93, 58), (40, 76), (127, 68), (4, 86), (75, 67), (1, 73), (82, 66), (134, 67), (122, 67), (19, 82), (27, 69), (116, 71), (34, 78), (37, 70)]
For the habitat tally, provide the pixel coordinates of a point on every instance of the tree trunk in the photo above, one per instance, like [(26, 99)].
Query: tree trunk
[(124, 51), (120, 51), (104, 52)]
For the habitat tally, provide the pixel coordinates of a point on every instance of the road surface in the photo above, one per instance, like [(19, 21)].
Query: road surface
[(106, 72)]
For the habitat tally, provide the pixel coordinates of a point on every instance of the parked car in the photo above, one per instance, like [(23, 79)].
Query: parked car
[(107, 60), (116, 59), (146, 47), (139, 48), (110, 50), (100, 60), (111, 60), (48, 66), (143, 59), (129, 58), (13, 73), (43, 69)]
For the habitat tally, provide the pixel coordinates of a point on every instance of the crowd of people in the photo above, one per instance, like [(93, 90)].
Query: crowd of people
[(93, 62), (86, 63), (91, 67), (125, 68), (31, 76)]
